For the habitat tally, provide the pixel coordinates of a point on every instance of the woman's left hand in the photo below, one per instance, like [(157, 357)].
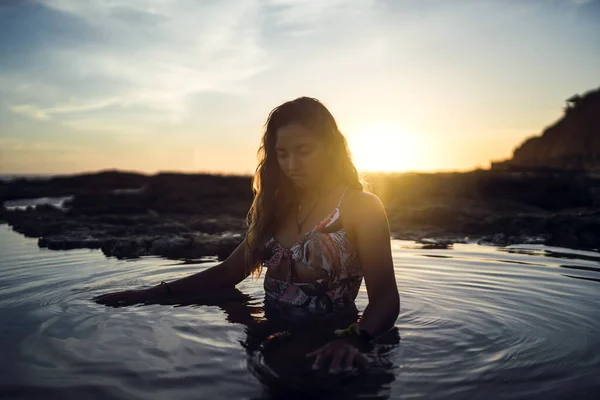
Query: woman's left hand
[(343, 356)]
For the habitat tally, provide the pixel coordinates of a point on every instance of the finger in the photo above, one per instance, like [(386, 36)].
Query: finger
[(338, 355), (102, 300), (112, 299), (107, 296), (102, 296), (318, 361), (316, 352), (348, 361), (321, 357)]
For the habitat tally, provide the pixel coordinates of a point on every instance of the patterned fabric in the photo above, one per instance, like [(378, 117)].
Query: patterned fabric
[(325, 247)]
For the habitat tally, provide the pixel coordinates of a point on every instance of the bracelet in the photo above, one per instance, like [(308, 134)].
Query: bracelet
[(354, 330), (169, 293)]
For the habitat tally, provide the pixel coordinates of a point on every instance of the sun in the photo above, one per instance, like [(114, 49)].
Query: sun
[(383, 147)]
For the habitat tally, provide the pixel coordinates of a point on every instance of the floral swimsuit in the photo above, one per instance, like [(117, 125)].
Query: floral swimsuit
[(326, 247)]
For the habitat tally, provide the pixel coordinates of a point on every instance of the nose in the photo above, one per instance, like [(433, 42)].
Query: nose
[(293, 164)]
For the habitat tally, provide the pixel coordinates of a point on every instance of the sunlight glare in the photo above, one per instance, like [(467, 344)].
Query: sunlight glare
[(383, 148)]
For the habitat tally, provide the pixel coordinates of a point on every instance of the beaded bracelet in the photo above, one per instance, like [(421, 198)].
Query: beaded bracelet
[(354, 330)]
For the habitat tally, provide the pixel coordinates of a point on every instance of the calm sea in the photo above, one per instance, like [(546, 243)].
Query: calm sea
[(477, 322)]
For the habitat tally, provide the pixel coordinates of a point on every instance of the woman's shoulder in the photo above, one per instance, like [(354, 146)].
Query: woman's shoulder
[(356, 198), (360, 204)]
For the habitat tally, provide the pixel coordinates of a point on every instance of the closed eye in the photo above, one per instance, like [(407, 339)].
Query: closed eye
[(304, 150)]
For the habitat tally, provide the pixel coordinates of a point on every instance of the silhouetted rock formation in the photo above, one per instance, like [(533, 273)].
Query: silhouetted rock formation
[(188, 216), (493, 207), (68, 185), (572, 143)]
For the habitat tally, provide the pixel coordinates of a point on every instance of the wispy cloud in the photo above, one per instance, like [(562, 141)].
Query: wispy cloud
[(45, 113), (156, 55), (122, 76), (161, 52), (16, 145)]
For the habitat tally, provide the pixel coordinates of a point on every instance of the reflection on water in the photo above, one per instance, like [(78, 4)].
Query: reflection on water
[(476, 322)]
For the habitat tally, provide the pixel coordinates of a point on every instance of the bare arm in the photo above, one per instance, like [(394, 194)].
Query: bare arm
[(222, 276), (370, 226)]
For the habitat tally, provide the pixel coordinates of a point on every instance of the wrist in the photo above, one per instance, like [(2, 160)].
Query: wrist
[(156, 292), (354, 329), (356, 336), (167, 288)]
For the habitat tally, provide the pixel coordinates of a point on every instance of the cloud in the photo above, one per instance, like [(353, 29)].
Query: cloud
[(29, 110), (11, 145), (151, 54), (203, 74), (310, 12), (157, 55), (45, 113)]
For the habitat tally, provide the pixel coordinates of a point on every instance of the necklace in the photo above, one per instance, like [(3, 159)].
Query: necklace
[(300, 207)]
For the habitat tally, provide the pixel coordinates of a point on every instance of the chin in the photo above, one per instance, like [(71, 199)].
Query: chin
[(299, 184), (297, 180), (302, 182)]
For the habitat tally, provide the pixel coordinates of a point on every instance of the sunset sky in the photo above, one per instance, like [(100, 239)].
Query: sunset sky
[(418, 85)]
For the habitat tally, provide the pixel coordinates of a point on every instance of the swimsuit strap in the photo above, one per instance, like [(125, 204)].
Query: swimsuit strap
[(342, 198)]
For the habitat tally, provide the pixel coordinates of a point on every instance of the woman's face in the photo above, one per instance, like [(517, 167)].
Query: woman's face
[(301, 154)]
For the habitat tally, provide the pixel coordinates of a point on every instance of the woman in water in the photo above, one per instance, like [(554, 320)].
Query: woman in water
[(314, 229)]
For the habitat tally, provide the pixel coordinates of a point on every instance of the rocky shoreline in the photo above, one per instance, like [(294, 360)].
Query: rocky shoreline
[(132, 236), (189, 217)]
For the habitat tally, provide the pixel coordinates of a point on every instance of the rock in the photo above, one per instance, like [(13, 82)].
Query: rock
[(436, 243), (176, 247), (69, 242), (192, 216), (129, 236), (571, 143), (499, 239)]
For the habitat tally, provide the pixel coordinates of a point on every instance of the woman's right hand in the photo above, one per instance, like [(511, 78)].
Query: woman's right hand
[(125, 298)]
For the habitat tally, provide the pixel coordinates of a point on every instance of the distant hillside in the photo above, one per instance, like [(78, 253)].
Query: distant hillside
[(572, 143)]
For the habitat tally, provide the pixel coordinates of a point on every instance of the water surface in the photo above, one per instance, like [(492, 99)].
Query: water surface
[(502, 323)]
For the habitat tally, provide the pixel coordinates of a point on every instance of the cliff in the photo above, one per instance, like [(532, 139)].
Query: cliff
[(572, 143)]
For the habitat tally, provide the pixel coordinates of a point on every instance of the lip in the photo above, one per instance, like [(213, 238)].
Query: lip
[(296, 177)]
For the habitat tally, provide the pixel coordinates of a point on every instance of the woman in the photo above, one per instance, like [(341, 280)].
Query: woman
[(314, 229)]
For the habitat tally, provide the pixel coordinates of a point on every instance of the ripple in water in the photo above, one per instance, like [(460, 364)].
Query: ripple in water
[(518, 322)]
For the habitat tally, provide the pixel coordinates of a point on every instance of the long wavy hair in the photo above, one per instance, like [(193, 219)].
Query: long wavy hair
[(275, 194)]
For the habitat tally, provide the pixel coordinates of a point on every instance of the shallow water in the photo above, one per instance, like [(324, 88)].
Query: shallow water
[(519, 322)]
